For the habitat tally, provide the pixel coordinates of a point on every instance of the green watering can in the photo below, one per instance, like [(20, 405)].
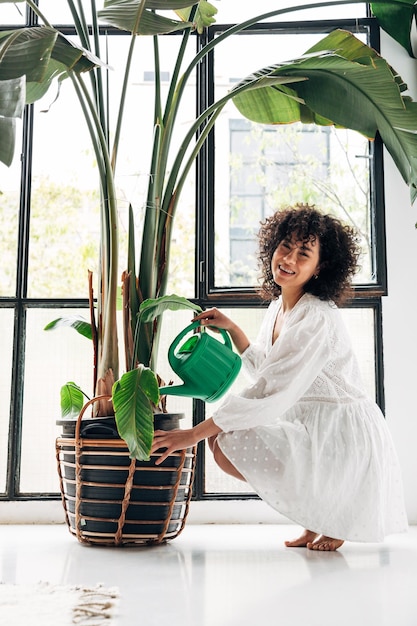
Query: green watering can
[(206, 365)]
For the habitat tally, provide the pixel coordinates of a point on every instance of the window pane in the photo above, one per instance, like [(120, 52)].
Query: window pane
[(12, 14), (174, 322), (6, 351), (9, 216), (52, 359), (65, 201), (217, 481), (360, 324), (182, 259), (261, 168), (59, 12), (228, 14)]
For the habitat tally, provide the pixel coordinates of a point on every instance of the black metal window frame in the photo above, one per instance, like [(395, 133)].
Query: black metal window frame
[(206, 294)]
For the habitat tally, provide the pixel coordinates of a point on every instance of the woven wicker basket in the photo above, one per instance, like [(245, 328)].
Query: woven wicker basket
[(110, 499)]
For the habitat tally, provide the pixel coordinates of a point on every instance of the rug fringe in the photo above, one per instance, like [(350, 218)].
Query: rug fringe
[(95, 606)]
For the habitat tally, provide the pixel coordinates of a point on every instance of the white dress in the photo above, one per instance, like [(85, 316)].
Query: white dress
[(306, 436)]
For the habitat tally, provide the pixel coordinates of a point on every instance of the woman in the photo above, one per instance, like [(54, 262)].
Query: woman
[(304, 434)]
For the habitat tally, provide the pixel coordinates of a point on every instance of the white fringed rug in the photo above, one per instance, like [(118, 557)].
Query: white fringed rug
[(44, 604)]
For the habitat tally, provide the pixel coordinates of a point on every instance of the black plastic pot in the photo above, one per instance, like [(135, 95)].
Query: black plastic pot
[(105, 427)]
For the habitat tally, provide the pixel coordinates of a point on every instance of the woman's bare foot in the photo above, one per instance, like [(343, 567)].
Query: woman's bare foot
[(325, 544), (303, 541)]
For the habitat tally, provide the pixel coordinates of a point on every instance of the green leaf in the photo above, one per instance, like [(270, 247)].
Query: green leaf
[(75, 321), (74, 57), (26, 51), (72, 400), (152, 308), (204, 16), (397, 21), (33, 57), (12, 97), (339, 76), (8, 139), (123, 13), (12, 101), (36, 90), (132, 397)]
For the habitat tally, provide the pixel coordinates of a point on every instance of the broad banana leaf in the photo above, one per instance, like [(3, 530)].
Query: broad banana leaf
[(123, 15), (37, 56), (28, 51), (397, 21), (342, 82), (132, 397)]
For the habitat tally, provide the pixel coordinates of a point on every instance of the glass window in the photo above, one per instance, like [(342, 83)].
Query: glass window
[(6, 368), (52, 358), (227, 11), (12, 14), (65, 200), (260, 168), (59, 12), (65, 203), (248, 171), (9, 219)]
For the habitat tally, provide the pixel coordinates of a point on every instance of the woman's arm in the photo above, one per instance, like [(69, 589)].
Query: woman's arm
[(285, 375), (214, 317), (174, 440)]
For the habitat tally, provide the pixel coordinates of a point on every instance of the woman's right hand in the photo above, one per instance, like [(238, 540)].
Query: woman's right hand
[(216, 319)]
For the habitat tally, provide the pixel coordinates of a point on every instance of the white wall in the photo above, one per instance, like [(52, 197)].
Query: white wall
[(400, 306)]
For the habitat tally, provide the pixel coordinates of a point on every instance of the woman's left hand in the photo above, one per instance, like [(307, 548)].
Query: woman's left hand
[(172, 440)]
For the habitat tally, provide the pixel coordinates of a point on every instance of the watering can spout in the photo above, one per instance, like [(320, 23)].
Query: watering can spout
[(177, 390)]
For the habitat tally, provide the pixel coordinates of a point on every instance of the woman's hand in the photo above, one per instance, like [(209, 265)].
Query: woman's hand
[(172, 440), (216, 319)]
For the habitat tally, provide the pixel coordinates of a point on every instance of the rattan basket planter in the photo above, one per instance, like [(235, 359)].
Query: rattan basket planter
[(110, 499)]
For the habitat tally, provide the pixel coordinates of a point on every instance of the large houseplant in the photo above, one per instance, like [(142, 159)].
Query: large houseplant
[(325, 86)]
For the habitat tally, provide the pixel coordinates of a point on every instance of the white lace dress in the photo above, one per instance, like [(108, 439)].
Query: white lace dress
[(306, 436)]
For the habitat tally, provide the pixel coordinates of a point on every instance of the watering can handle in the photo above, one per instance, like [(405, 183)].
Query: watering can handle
[(186, 330)]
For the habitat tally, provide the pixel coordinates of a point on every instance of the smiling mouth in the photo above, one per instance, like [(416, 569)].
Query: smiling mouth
[(289, 272)]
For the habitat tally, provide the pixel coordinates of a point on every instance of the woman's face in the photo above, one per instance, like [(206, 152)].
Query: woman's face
[(294, 263)]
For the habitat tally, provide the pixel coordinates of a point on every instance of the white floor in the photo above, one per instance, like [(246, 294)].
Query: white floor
[(227, 575)]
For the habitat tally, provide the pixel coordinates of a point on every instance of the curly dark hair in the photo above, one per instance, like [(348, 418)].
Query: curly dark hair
[(339, 250)]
